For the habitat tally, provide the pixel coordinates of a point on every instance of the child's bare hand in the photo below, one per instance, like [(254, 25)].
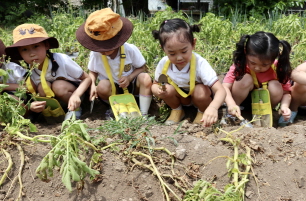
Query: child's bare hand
[(124, 81), (38, 106), (74, 102), (210, 116), (286, 113), (93, 93), (234, 110)]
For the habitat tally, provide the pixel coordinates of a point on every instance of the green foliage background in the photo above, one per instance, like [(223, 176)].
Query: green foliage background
[(215, 42)]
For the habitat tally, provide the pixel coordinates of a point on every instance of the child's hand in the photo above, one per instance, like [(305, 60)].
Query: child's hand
[(74, 102), (38, 106), (93, 93), (210, 116), (234, 110), (124, 81), (286, 113)]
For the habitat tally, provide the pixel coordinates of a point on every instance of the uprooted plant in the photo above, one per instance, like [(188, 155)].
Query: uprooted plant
[(235, 191)]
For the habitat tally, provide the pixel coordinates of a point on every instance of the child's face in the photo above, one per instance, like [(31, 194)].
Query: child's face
[(178, 51), (258, 65), (111, 53), (34, 53)]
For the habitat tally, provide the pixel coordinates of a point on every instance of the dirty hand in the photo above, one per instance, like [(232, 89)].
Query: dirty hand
[(74, 102), (93, 93), (38, 106), (234, 110), (286, 113), (210, 116), (124, 81)]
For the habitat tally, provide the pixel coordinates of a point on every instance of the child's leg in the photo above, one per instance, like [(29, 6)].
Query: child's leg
[(174, 100), (104, 90), (201, 98), (40, 90), (276, 92), (144, 83), (241, 89), (298, 94), (63, 90)]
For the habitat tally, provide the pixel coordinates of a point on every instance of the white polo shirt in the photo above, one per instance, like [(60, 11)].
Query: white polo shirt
[(67, 70), (205, 74), (133, 60), (16, 73)]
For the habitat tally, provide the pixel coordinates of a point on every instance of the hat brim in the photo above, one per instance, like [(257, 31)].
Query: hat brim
[(13, 53), (106, 45)]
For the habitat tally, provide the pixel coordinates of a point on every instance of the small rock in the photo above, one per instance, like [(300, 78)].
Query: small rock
[(148, 194), (180, 152), (249, 194)]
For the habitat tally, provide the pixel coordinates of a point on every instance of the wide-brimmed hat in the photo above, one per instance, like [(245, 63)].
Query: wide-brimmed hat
[(104, 30), (28, 34)]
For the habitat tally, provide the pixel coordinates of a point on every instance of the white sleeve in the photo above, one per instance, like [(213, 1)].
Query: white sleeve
[(136, 56), (159, 67), (206, 73), (72, 68), (16, 73)]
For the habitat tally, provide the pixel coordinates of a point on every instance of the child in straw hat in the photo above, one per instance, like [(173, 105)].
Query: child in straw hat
[(66, 78), (104, 33)]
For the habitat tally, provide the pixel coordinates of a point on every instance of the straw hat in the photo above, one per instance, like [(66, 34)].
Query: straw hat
[(28, 34), (104, 30)]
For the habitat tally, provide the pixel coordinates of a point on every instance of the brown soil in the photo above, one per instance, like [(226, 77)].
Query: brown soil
[(278, 169)]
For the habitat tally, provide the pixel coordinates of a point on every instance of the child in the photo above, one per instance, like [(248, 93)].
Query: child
[(105, 33), (193, 78), (15, 71), (259, 53), (298, 90), (65, 77)]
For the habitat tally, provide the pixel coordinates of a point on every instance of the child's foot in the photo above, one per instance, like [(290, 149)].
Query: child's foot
[(175, 117), (198, 118), (283, 123)]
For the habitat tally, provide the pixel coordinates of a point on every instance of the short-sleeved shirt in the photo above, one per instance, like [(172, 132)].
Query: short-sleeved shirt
[(205, 74), (266, 76), (16, 72), (68, 70), (133, 60)]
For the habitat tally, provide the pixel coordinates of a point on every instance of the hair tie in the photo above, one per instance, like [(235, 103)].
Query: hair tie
[(166, 21)]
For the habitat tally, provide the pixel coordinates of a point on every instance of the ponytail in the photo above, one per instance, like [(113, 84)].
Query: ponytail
[(54, 63), (283, 68), (239, 57)]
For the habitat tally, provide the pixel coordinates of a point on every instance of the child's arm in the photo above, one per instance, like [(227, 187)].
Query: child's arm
[(210, 115), (93, 89), (74, 100), (124, 81), (299, 74), (285, 103), (232, 107), (11, 87)]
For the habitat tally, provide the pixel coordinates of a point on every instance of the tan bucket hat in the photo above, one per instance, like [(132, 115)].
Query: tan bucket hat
[(104, 30), (28, 34)]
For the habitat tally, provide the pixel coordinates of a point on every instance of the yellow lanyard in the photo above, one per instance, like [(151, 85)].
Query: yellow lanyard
[(49, 93), (192, 77), (108, 71), (255, 81)]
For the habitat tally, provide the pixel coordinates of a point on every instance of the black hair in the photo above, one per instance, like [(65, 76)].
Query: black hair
[(54, 63), (168, 27), (265, 46)]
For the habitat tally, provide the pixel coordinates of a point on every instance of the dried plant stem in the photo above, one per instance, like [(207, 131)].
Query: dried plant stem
[(156, 172), (9, 167), (18, 177)]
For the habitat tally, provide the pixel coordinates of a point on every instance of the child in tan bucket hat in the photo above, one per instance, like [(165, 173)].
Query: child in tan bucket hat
[(106, 33), (65, 77)]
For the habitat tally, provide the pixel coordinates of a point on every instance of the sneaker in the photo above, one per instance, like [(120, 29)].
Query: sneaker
[(175, 117), (198, 118), (109, 115), (283, 123)]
